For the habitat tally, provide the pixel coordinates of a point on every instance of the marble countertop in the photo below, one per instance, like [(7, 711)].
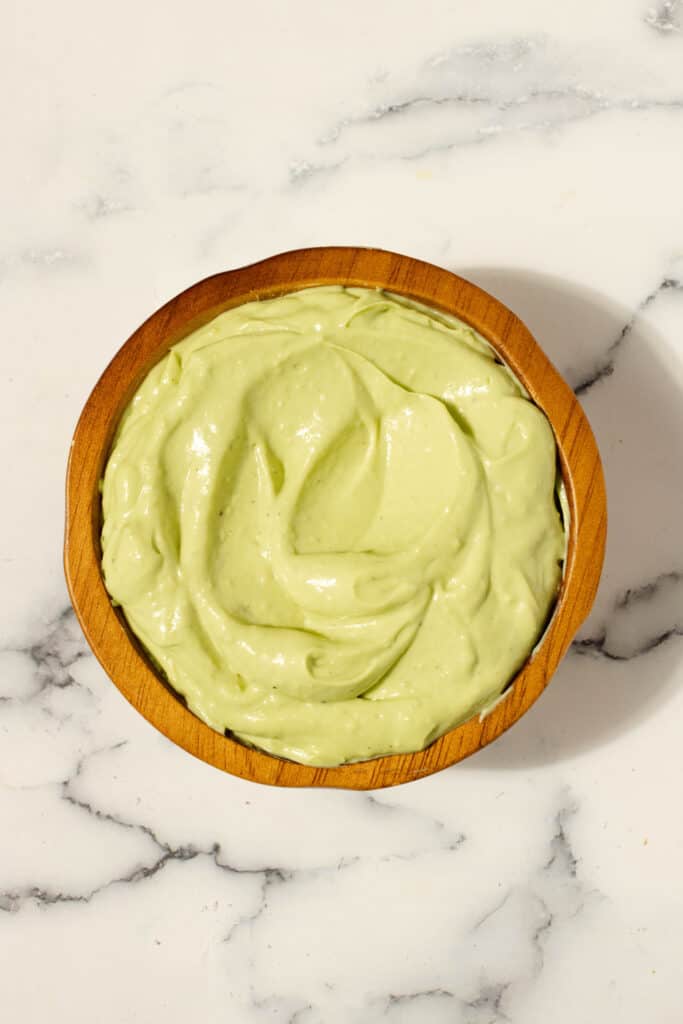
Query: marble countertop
[(535, 148)]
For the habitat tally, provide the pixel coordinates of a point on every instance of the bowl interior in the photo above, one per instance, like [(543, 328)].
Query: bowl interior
[(118, 649)]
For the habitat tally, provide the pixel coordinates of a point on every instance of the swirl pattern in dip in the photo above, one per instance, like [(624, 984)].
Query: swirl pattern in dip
[(330, 519)]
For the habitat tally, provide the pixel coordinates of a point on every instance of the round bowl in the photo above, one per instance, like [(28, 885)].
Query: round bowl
[(104, 626)]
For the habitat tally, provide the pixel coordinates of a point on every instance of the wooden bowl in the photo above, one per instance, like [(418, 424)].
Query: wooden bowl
[(105, 628)]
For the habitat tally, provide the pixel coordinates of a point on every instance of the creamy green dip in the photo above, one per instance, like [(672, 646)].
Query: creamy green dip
[(330, 519)]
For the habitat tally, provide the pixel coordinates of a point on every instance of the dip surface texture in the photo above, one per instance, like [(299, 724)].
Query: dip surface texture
[(330, 518)]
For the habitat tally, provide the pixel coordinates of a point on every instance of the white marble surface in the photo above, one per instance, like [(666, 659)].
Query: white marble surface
[(537, 148)]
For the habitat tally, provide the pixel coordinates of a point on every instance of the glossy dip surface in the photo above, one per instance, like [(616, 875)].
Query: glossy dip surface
[(330, 518)]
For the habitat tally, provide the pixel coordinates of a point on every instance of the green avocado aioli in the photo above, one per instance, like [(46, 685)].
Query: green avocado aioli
[(330, 519)]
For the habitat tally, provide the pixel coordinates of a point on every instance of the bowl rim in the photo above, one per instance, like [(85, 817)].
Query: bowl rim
[(118, 650)]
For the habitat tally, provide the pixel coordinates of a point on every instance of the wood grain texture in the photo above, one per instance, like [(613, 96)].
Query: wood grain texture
[(105, 628)]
